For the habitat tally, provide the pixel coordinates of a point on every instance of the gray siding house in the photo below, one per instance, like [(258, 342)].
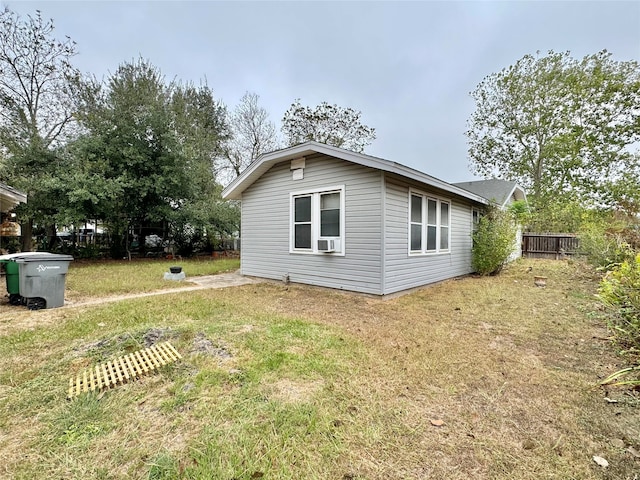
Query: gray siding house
[(501, 193), (325, 216)]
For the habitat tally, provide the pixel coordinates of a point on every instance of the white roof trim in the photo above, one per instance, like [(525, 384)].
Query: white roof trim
[(10, 197), (513, 190), (254, 171), (520, 195), (516, 187)]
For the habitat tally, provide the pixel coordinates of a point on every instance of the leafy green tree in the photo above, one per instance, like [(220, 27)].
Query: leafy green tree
[(565, 215), (204, 133), (561, 127), (38, 86), (85, 190), (131, 144), (521, 211), (622, 192), (153, 143), (330, 124)]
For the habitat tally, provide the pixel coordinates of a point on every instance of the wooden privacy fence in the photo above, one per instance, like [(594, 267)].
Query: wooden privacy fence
[(549, 245)]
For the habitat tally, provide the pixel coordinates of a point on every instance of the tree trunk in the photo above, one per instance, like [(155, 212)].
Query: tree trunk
[(52, 236), (27, 234)]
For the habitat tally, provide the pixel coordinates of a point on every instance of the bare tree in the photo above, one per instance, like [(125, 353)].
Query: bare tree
[(252, 134), (36, 82), (37, 91)]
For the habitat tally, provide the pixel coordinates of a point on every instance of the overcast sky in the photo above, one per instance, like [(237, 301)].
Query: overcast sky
[(407, 66)]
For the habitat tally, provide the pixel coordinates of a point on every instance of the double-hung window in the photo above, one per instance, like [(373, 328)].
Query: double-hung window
[(429, 224), (475, 219), (302, 221), (317, 221)]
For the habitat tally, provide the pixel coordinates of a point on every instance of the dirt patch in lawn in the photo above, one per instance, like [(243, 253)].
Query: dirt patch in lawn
[(205, 346)]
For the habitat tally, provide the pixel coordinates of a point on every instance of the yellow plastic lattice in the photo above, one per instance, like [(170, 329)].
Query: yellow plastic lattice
[(123, 369)]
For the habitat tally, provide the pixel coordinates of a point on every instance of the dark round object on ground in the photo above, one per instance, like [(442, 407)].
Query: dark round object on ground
[(175, 269)]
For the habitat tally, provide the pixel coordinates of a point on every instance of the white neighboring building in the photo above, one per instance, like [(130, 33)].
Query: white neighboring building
[(503, 193)]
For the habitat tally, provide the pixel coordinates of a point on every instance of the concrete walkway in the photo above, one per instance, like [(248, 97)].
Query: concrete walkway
[(222, 280)]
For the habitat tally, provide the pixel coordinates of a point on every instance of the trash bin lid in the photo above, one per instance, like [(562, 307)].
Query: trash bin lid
[(25, 257), (11, 256)]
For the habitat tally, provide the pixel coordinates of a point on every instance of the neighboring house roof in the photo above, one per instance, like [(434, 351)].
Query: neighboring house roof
[(496, 190), (266, 161), (10, 197)]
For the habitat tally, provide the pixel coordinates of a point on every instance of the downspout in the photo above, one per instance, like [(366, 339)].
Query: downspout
[(383, 233), (242, 230)]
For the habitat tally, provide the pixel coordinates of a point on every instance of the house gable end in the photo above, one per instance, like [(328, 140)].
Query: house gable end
[(261, 165)]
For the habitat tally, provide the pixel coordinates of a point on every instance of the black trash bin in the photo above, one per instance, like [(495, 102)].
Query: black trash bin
[(42, 278)]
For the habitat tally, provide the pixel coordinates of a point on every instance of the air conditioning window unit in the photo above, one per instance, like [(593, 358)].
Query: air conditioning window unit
[(326, 246)]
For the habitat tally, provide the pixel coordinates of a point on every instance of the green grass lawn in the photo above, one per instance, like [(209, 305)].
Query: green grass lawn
[(97, 279), (259, 398), (295, 382)]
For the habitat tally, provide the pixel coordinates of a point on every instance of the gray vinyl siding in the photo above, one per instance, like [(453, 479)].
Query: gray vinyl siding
[(404, 271), (266, 231), (376, 214)]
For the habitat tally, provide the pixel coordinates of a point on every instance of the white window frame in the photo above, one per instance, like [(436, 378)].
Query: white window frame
[(423, 248), (315, 221), (476, 214)]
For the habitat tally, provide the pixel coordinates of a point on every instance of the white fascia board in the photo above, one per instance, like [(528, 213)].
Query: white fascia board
[(507, 197), (264, 162), (435, 182), (10, 197), (522, 194), (518, 192)]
